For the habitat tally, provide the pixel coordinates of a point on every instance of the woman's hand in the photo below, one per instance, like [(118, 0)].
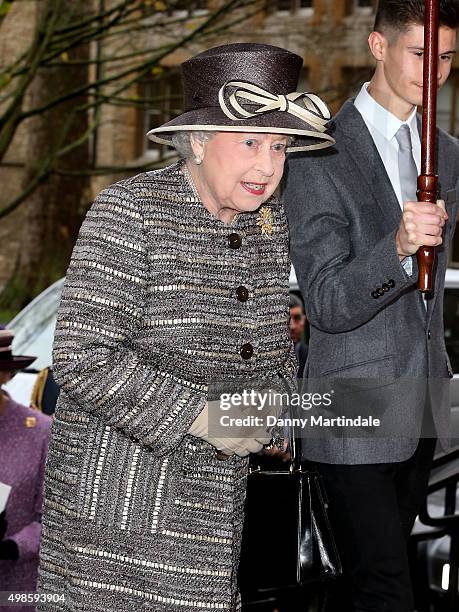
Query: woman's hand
[(242, 445)]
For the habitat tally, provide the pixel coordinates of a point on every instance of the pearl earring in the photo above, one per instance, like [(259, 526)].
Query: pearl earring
[(198, 160)]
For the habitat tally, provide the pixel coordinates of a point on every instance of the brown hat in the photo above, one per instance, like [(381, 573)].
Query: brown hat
[(8, 361), (249, 87)]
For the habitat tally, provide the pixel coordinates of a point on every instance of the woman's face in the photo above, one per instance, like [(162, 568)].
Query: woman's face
[(239, 171)]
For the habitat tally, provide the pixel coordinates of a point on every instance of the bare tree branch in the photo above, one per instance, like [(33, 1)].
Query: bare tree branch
[(137, 70), (96, 28), (13, 115)]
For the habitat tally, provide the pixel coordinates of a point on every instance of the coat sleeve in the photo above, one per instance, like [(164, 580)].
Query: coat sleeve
[(337, 288), (95, 359)]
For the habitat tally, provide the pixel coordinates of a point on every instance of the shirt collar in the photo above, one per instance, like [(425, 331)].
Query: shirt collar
[(379, 118)]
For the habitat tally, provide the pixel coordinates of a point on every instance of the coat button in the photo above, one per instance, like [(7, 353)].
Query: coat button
[(246, 351), (380, 291), (391, 283), (386, 287), (234, 241), (375, 294), (429, 334), (242, 294)]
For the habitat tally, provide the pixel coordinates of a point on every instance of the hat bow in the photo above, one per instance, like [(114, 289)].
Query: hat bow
[(305, 106)]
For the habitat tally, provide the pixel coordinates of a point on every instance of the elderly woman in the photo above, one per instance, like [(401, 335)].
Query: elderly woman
[(24, 437), (179, 279)]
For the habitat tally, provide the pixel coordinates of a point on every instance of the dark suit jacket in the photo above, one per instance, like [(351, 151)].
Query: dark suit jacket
[(301, 352), (343, 216)]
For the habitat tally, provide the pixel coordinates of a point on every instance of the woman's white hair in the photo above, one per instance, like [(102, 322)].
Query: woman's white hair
[(182, 141)]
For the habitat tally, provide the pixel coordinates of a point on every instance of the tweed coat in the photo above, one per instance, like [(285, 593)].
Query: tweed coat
[(138, 514)]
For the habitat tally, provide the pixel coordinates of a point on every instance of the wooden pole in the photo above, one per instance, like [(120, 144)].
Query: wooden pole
[(428, 180)]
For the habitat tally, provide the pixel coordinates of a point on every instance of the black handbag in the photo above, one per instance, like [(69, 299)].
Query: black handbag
[(287, 539)]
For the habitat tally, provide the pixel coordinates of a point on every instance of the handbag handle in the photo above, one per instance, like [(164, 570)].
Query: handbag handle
[(293, 444), (293, 441)]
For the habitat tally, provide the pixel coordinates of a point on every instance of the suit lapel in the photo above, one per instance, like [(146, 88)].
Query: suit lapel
[(363, 151)]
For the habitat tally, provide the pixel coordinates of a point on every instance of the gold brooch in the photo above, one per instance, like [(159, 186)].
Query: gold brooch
[(30, 421), (265, 221)]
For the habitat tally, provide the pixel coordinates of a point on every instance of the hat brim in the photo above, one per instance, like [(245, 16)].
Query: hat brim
[(274, 122), (18, 362)]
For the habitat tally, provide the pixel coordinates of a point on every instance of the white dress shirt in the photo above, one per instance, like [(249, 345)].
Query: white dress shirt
[(383, 126)]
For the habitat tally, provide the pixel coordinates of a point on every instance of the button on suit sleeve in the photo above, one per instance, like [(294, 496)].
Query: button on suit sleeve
[(339, 289)]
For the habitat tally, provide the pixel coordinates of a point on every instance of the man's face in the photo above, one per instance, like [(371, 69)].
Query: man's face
[(402, 61), (297, 321)]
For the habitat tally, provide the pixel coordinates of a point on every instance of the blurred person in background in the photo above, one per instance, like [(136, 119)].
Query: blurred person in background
[(179, 279), (24, 434), (45, 392), (297, 331)]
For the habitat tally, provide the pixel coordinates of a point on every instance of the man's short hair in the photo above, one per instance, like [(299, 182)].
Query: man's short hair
[(295, 302), (401, 14)]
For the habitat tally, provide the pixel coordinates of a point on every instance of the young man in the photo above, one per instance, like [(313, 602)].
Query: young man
[(297, 326), (355, 230)]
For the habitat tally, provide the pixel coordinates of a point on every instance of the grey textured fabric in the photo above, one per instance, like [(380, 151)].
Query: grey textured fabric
[(139, 515), (367, 318), (406, 164)]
